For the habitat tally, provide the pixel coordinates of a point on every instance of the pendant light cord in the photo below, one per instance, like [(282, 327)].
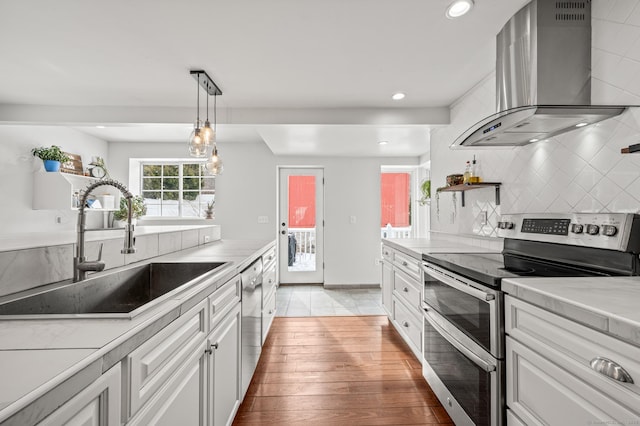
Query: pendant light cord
[(198, 101)]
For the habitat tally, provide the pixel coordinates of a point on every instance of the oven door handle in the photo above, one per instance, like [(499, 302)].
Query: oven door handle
[(465, 288), (459, 346)]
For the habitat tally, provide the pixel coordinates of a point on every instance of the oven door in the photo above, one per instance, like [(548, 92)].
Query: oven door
[(467, 380), (472, 307)]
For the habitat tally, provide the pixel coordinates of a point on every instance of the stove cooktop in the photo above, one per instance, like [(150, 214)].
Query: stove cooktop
[(491, 268)]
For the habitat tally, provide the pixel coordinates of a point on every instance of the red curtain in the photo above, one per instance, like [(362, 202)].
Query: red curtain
[(302, 201), (395, 199)]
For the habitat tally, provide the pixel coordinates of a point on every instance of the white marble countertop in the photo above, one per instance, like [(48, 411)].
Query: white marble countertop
[(609, 304), (443, 243), (27, 240), (49, 352)]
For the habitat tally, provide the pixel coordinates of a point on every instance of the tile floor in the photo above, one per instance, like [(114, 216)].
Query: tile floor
[(314, 300)]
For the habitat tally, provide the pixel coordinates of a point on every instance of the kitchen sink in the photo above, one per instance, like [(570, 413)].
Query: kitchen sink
[(123, 293)]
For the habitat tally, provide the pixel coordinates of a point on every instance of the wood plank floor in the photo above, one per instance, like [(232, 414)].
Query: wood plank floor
[(338, 371)]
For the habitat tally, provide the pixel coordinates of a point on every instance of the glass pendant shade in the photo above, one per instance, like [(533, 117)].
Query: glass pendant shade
[(207, 133), (214, 165), (197, 145)]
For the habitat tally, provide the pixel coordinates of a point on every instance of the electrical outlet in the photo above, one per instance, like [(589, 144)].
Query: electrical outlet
[(207, 238), (483, 217), (352, 219)]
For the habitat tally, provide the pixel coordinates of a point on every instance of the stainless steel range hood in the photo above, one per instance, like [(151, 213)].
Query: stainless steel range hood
[(543, 77)]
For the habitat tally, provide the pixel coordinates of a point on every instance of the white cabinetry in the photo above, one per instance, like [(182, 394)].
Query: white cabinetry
[(549, 375), (269, 287), (152, 364), (54, 190), (96, 405), (401, 296), (185, 375), (224, 369), (182, 399)]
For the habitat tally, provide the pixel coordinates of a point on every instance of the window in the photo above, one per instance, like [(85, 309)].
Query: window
[(176, 189), (396, 207)]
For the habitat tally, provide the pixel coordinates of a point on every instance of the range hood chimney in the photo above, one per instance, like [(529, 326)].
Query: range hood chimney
[(543, 77)]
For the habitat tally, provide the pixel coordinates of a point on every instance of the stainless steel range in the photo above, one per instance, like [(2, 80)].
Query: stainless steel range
[(462, 302)]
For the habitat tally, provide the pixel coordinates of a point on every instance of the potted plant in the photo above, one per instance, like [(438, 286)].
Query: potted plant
[(52, 157), (137, 206), (209, 210)]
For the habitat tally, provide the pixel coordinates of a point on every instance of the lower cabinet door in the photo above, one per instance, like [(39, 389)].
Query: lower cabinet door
[(182, 400), (387, 287), (540, 393), (224, 369), (96, 405)]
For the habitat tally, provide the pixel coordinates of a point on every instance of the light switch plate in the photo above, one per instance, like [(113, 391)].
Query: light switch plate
[(352, 219)]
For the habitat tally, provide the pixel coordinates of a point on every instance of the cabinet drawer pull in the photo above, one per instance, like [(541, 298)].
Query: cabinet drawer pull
[(270, 311), (610, 369), (208, 351), (215, 345), (404, 263), (406, 324), (405, 289)]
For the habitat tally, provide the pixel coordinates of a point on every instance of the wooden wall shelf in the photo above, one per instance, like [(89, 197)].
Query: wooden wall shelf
[(470, 186)]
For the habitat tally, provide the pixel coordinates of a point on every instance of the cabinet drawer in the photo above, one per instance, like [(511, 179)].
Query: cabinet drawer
[(155, 361), (409, 326), (223, 299), (407, 288), (387, 253), (269, 279), (269, 257), (408, 264), (541, 393), (268, 313), (572, 346)]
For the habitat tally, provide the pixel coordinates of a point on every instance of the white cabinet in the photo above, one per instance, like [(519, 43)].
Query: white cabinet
[(549, 375), (269, 287), (224, 369), (182, 399), (401, 296), (96, 405), (387, 287), (184, 375), (152, 364), (54, 190)]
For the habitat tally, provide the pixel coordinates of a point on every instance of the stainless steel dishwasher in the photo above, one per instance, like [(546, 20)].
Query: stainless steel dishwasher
[(251, 321)]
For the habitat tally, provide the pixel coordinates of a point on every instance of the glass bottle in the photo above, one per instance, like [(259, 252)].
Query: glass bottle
[(474, 176), (467, 173)]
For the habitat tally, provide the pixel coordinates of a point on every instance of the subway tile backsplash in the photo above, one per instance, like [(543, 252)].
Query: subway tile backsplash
[(578, 171)]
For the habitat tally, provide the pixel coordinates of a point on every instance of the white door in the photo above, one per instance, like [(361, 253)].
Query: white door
[(301, 225)]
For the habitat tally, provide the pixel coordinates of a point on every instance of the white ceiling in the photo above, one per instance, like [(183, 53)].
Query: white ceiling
[(350, 54)]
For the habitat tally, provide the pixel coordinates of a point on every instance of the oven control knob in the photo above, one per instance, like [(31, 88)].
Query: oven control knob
[(576, 228), (609, 230), (593, 229), (505, 225)]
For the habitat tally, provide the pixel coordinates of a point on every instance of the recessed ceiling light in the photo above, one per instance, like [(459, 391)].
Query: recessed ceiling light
[(458, 8), (581, 124), (534, 140), (383, 142), (398, 96), (100, 127)]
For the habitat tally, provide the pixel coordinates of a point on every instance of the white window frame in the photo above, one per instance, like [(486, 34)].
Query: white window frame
[(180, 162)]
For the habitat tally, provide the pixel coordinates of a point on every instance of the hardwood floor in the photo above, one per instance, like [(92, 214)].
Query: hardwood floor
[(338, 371)]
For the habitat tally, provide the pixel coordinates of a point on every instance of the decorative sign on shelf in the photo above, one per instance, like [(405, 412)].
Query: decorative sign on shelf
[(73, 166)]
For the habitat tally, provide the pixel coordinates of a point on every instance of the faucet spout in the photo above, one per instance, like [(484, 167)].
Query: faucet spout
[(80, 263)]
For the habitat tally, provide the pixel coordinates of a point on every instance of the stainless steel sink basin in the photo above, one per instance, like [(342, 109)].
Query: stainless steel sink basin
[(121, 292)]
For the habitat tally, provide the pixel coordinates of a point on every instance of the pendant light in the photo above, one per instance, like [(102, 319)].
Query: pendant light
[(197, 145), (207, 133), (214, 164)]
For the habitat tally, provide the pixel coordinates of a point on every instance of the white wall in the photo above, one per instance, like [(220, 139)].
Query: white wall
[(17, 166), (580, 171), (247, 189)]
